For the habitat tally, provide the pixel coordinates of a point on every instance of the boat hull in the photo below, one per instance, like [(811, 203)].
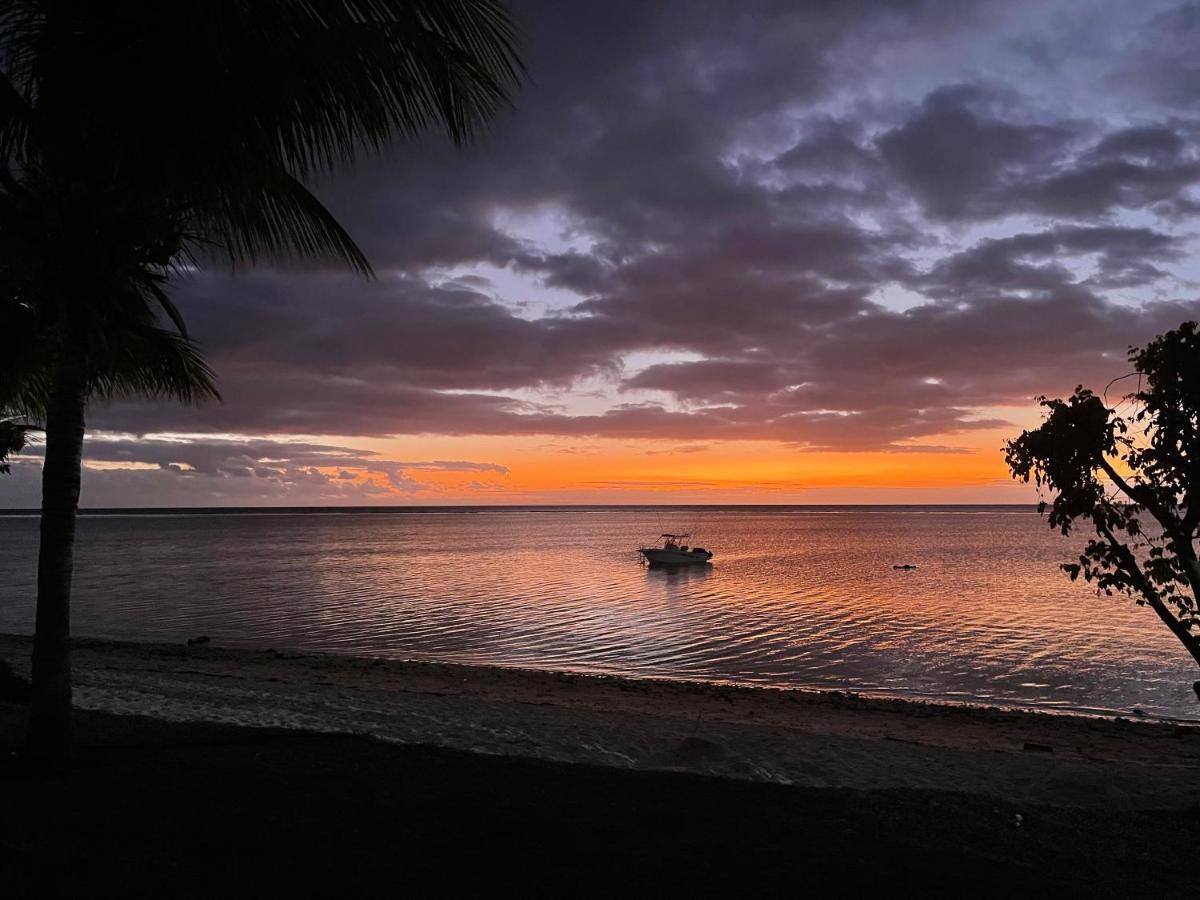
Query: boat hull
[(657, 556)]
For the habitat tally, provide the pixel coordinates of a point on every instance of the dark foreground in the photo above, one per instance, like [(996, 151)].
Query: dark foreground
[(153, 808)]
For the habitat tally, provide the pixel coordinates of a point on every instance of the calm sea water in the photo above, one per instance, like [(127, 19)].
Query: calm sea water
[(795, 596)]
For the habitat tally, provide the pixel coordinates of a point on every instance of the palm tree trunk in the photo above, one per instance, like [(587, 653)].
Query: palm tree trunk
[(50, 709)]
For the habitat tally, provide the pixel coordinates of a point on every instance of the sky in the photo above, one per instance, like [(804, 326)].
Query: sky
[(715, 253)]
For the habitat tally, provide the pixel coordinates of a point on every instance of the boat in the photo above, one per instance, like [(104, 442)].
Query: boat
[(674, 551)]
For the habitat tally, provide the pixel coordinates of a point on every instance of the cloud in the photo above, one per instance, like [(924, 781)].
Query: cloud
[(251, 471), (1161, 64), (962, 151), (1047, 263), (438, 335), (972, 152)]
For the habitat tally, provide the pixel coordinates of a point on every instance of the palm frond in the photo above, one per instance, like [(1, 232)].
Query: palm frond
[(168, 307), (284, 219), (313, 84), (27, 350), (14, 435), (15, 120), (153, 362)]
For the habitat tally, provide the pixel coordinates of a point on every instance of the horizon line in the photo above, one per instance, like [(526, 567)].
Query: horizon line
[(392, 507)]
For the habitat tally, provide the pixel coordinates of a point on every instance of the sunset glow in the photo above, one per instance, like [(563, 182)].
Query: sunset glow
[(594, 471)]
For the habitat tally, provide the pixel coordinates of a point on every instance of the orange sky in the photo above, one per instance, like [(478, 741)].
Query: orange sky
[(579, 470)]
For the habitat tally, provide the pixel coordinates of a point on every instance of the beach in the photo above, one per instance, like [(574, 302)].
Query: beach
[(807, 738), (1055, 799)]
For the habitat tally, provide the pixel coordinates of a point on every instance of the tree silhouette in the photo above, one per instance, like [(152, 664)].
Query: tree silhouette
[(139, 137), (1133, 478), (13, 435)]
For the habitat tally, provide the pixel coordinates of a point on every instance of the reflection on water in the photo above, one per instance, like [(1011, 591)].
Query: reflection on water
[(678, 574), (794, 596)]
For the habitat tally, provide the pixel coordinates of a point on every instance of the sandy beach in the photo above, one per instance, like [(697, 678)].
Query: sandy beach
[(203, 771), (810, 739)]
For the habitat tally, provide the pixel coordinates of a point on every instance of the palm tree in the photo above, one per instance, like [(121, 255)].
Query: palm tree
[(137, 137), (109, 347)]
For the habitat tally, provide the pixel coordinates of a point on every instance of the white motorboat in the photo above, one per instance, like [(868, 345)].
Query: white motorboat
[(674, 551)]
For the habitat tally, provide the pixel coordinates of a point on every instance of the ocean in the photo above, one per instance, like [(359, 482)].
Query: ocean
[(796, 596)]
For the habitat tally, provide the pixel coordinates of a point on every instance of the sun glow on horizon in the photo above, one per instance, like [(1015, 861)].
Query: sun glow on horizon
[(608, 470)]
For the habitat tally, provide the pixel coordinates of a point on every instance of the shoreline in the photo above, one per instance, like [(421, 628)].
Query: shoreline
[(880, 695), (787, 736)]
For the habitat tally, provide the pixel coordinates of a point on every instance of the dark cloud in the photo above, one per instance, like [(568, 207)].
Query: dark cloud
[(1049, 263), (960, 154), (885, 380), (393, 328), (1096, 188), (1163, 62), (830, 146), (969, 152), (1151, 144)]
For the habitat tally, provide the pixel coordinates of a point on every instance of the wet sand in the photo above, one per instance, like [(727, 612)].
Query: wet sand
[(800, 738)]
